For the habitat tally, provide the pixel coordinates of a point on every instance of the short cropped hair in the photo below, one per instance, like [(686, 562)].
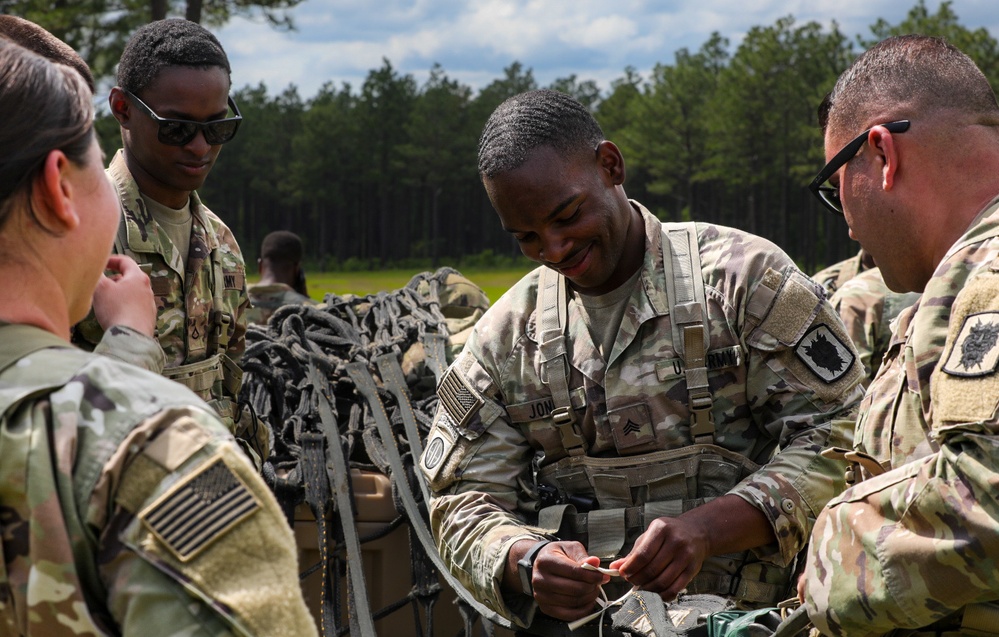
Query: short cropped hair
[(910, 75), (165, 43), (282, 246), (537, 118), (36, 39)]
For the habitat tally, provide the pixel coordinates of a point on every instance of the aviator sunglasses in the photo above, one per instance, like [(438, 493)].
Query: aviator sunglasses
[(178, 132), (829, 194)]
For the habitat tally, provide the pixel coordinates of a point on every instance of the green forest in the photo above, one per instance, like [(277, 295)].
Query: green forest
[(384, 174)]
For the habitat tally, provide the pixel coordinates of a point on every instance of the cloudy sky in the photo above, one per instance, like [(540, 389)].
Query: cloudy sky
[(474, 40)]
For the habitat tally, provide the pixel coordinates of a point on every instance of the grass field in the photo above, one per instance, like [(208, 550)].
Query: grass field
[(493, 282)]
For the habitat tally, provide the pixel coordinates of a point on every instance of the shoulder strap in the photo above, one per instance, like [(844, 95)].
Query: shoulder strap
[(688, 315), (553, 309)]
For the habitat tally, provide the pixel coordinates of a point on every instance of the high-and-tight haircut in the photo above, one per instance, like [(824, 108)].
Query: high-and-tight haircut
[(909, 76), (529, 120), (165, 43), (35, 38), (47, 106)]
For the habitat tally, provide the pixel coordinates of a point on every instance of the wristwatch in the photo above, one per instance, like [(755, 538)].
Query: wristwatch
[(525, 566)]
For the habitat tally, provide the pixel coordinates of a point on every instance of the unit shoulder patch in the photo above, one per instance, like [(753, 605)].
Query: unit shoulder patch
[(200, 509), (822, 351), (976, 349)]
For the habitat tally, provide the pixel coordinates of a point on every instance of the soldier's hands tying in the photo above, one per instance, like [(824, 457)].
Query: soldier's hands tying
[(665, 557), (124, 297), (562, 589)]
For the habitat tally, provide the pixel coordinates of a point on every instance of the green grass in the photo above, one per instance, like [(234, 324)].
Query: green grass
[(493, 282)]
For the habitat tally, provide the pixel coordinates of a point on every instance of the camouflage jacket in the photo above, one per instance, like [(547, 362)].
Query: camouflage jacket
[(868, 309), (95, 455), (833, 277), (768, 396), (199, 314), (265, 298), (913, 545)]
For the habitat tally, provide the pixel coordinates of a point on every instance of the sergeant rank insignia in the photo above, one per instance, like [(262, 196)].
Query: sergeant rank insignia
[(196, 512), (974, 352), (825, 354)]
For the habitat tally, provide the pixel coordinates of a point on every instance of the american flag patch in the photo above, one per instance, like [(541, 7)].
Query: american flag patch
[(199, 510)]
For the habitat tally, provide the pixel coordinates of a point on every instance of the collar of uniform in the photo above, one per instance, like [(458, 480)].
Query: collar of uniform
[(984, 226), (653, 272), (143, 233)]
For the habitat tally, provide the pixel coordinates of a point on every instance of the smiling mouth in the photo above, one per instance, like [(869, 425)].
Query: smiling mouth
[(573, 262)]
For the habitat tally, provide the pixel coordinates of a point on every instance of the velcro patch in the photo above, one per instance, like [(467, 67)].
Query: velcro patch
[(975, 351), (713, 360), (824, 353), (458, 397), (234, 279), (200, 509)]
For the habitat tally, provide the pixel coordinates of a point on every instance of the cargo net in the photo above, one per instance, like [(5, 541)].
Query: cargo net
[(351, 385)]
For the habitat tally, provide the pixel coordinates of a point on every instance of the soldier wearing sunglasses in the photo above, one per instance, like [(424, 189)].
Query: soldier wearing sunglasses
[(912, 143), (173, 105)]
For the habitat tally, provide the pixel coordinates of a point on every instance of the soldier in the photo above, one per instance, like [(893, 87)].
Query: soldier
[(912, 144), (833, 277), (613, 408), (282, 277), (95, 453), (172, 103)]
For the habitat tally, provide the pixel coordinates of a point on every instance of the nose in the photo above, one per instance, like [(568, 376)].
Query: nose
[(198, 144), (555, 247)]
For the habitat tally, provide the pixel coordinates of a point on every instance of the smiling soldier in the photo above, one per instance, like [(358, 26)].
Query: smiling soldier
[(653, 398), (172, 103)]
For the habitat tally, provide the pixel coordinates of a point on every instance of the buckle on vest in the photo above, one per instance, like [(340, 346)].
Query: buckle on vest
[(564, 416), (218, 330)]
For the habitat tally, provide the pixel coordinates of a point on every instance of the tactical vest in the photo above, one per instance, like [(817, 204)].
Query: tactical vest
[(628, 493)]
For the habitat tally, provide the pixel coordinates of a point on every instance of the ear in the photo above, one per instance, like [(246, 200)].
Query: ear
[(611, 162), (883, 143), (52, 195), (121, 108)]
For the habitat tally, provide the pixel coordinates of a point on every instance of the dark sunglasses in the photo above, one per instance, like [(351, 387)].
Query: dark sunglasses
[(829, 194), (178, 132)]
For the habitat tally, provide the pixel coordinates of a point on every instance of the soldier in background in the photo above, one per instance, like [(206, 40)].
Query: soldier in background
[(172, 103), (94, 453), (912, 144), (282, 277), (575, 429), (833, 277)]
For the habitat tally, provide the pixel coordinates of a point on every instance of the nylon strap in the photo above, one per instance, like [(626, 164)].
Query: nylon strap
[(980, 620), (553, 306), (359, 373), (434, 348), (361, 621), (688, 315), (395, 382)]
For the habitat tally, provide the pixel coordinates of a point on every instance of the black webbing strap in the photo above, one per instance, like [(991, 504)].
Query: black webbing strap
[(359, 610), (395, 382), (365, 384)]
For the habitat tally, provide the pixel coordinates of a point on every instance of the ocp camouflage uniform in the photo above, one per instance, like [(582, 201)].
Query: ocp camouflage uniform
[(265, 298), (868, 309), (200, 320), (833, 277), (911, 546), (768, 324), (94, 455)]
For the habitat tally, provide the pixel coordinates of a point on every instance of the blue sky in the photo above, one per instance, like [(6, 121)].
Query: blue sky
[(474, 40)]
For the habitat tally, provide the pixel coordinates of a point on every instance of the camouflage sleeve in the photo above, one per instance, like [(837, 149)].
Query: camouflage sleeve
[(473, 460), (911, 546), (131, 346), (860, 303), (193, 541), (803, 377)]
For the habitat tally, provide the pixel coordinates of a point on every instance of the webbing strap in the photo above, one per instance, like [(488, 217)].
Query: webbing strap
[(359, 373), (199, 377), (606, 531), (553, 306), (435, 350), (395, 382), (980, 620), (361, 621), (688, 315)]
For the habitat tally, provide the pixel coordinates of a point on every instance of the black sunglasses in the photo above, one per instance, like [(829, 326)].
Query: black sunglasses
[(178, 132), (829, 195)]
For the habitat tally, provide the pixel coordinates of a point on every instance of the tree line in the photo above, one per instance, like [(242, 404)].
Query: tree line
[(385, 174)]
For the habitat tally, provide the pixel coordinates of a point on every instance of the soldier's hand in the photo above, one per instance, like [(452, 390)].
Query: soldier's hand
[(562, 588), (665, 557), (124, 297)]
